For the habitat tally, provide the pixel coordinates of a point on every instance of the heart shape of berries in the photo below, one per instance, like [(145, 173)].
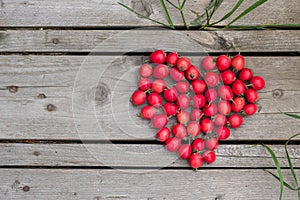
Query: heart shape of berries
[(203, 102)]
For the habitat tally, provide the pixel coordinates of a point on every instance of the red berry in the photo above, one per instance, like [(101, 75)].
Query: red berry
[(224, 107), (238, 87), (195, 114), (185, 151), (176, 75), (193, 128), (183, 101), (211, 95), (179, 131), (257, 83), (172, 58), (223, 62), (160, 71), (245, 74), (251, 95), (182, 87), (195, 161), (250, 109), (138, 97), (223, 132), (159, 121), (183, 117), (238, 62), (227, 77), (220, 120), (163, 134), (145, 70), (158, 85), (238, 104), (154, 99), (209, 157), (158, 56), (211, 143), (183, 64), (192, 73), (170, 109), (198, 86), (144, 84), (210, 110), (207, 126), (208, 63), (198, 144), (173, 144), (211, 79), (147, 112), (198, 101), (170, 94), (235, 120), (225, 92)]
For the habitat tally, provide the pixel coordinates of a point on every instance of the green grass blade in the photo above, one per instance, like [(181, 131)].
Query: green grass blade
[(245, 12), (284, 183), (167, 13), (183, 3), (275, 160), (172, 4), (237, 5), (182, 14), (141, 15), (292, 115)]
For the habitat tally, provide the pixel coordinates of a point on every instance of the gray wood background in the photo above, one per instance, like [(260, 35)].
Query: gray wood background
[(56, 125)]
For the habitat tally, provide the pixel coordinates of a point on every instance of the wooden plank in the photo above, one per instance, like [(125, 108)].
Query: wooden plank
[(106, 13), (143, 40), (89, 109), (136, 155), (133, 184)]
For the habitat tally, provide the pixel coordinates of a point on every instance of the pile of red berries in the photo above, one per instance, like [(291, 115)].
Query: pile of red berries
[(193, 108)]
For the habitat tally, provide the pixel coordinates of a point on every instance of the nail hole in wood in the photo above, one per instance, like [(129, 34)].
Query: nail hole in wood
[(55, 41), (26, 188), (12, 88), (41, 96), (51, 107), (278, 93), (36, 153)]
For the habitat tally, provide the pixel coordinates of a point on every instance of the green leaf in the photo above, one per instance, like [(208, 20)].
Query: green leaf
[(275, 160), (293, 115), (284, 183), (245, 12), (141, 15), (167, 13), (237, 5)]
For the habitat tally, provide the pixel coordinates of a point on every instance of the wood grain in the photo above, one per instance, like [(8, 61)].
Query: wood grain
[(94, 108), (134, 184), (136, 155), (107, 13), (145, 40)]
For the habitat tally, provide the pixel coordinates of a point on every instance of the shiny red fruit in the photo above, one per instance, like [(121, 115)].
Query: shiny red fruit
[(148, 112), (245, 74), (238, 62), (170, 109), (183, 101), (235, 120), (192, 73), (219, 120), (160, 71), (207, 126), (158, 85), (223, 62), (227, 77), (138, 97), (195, 161), (238, 104), (250, 109), (208, 63), (223, 132), (163, 134), (144, 84), (224, 107), (154, 99), (183, 64), (159, 121), (211, 95), (211, 143), (257, 82), (251, 95), (176, 75), (182, 87), (198, 86), (193, 128), (145, 71), (211, 79), (172, 59), (196, 114), (158, 56), (238, 87), (210, 110), (179, 131), (185, 151), (209, 157), (225, 92), (198, 101), (198, 144), (170, 94), (183, 117), (173, 144)]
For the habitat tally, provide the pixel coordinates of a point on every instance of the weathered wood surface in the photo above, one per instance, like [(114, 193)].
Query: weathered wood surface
[(84, 105), (136, 155), (135, 184), (134, 40), (107, 13)]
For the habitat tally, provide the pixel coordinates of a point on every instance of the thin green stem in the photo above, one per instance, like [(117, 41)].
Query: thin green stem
[(167, 14), (182, 14), (172, 4)]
